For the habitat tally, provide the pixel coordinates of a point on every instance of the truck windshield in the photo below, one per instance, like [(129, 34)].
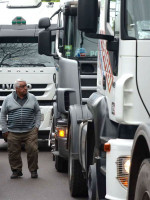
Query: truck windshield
[(138, 19), (23, 55), (77, 45)]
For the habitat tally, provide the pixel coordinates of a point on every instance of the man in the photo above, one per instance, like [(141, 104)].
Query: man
[(20, 119)]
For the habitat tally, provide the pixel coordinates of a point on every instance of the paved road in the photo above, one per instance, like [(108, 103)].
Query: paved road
[(50, 185)]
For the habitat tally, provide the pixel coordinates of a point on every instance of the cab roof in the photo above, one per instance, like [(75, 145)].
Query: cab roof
[(23, 3)]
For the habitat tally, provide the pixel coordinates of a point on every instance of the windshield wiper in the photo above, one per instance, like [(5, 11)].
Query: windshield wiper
[(29, 64), (5, 64), (145, 29)]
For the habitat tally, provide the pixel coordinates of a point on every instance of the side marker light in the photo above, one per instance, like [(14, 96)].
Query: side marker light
[(61, 133), (107, 147)]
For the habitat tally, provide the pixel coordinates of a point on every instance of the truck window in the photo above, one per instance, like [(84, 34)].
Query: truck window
[(114, 16), (117, 18), (112, 9), (76, 44), (22, 54), (138, 19), (60, 32)]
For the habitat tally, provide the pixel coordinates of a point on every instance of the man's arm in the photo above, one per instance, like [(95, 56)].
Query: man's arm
[(4, 119), (37, 114)]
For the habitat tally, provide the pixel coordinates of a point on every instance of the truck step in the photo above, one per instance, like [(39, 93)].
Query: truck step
[(55, 153), (52, 145), (52, 141)]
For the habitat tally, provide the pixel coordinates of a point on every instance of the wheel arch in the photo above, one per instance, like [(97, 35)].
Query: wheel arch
[(140, 151), (77, 114), (90, 143), (98, 106)]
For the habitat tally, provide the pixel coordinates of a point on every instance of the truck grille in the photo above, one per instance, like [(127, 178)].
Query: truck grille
[(88, 79), (46, 102), (3, 94), (37, 90), (87, 93), (88, 82), (41, 102), (34, 86), (38, 86)]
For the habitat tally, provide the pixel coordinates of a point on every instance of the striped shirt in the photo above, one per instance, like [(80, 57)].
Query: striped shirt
[(21, 117)]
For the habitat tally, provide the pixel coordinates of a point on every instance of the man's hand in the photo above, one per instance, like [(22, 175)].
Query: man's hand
[(5, 135)]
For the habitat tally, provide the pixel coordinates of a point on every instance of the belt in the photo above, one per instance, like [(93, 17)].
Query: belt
[(19, 132)]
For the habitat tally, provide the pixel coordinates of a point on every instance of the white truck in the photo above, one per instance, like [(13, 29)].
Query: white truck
[(19, 56), (76, 59), (109, 149)]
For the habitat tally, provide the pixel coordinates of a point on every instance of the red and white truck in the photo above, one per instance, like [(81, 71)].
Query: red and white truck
[(109, 149)]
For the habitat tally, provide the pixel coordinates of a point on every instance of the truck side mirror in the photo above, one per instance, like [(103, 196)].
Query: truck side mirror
[(44, 42), (88, 15), (113, 45), (44, 23), (44, 38)]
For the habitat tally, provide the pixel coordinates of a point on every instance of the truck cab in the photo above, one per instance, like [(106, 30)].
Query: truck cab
[(75, 60), (19, 58), (112, 148)]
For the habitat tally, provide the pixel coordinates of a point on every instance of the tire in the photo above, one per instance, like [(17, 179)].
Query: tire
[(142, 191), (77, 183), (92, 182), (61, 164)]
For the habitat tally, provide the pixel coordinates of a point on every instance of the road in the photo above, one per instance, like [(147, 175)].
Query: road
[(50, 185)]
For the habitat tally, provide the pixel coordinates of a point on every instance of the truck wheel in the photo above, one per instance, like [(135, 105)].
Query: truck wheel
[(92, 182), (142, 191), (77, 183), (61, 164)]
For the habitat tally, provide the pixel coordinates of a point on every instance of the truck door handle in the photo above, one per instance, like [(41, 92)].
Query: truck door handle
[(54, 78), (104, 82)]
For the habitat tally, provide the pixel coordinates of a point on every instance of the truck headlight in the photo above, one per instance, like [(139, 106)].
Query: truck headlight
[(123, 168), (127, 165)]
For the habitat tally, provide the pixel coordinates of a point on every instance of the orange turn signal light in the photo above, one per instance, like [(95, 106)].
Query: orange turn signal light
[(61, 133), (107, 147), (124, 181)]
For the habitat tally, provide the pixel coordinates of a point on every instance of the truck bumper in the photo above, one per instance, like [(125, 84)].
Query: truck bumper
[(62, 147), (120, 150)]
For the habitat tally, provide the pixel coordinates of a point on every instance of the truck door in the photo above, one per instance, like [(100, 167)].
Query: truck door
[(138, 28), (108, 50), (77, 58), (68, 79)]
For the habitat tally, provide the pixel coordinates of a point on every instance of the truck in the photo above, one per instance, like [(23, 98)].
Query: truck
[(76, 62), (109, 149), (19, 58)]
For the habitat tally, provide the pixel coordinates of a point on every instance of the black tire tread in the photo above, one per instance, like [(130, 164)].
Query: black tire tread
[(143, 180), (78, 186), (61, 164)]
